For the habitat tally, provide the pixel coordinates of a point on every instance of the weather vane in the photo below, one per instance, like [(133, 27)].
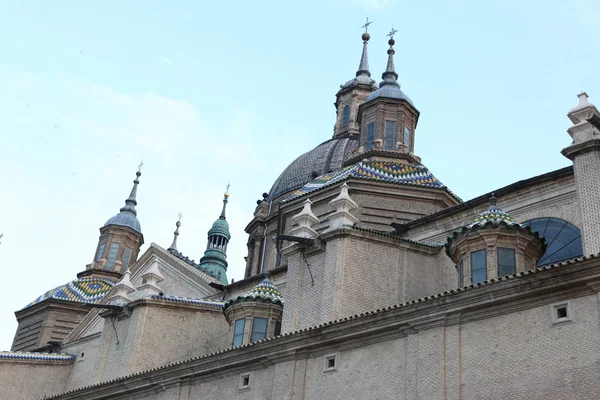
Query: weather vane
[(140, 166), (392, 33), (180, 216), (228, 186), (366, 25)]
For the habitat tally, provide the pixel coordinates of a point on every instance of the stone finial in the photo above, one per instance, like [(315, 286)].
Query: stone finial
[(122, 290), (306, 219), (343, 204), (582, 130), (150, 280)]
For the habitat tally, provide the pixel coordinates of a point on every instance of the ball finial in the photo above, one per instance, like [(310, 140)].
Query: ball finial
[(366, 36), (391, 42)]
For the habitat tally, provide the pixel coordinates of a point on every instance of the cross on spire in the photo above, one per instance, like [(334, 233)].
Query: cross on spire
[(141, 165), (180, 216), (228, 186), (366, 25), (392, 33)]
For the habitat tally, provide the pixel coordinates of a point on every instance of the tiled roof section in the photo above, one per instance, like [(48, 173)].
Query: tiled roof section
[(382, 171), (326, 157), (82, 290), (265, 291), (392, 235), (18, 355), (188, 265), (191, 262), (495, 215), (350, 318), (187, 300)]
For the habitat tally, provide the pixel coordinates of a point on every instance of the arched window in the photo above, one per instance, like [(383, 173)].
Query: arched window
[(563, 240)]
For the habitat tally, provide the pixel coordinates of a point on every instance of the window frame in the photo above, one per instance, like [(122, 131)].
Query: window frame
[(484, 268), (126, 258), (255, 332), (370, 136), (407, 133), (100, 251), (237, 334), (514, 260), (111, 259), (389, 136), (461, 273), (346, 116)]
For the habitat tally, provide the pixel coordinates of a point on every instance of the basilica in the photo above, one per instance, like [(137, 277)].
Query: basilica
[(366, 278)]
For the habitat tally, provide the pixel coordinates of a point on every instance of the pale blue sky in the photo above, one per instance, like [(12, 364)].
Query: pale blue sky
[(211, 92)]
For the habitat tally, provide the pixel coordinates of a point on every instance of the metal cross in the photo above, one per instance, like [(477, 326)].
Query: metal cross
[(366, 25), (180, 216), (141, 165), (392, 33), (228, 186)]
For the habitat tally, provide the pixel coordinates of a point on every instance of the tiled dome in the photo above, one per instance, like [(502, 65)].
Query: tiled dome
[(326, 157), (265, 291), (125, 219), (82, 290)]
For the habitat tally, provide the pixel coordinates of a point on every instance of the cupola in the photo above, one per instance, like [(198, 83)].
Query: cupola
[(120, 241), (353, 93), (388, 118), (215, 256), (256, 315), (495, 245)]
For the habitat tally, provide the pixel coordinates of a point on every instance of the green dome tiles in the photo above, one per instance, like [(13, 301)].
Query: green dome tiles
[(266, 291)]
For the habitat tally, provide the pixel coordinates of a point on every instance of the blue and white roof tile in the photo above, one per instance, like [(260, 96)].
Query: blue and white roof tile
[(82, 290), (187, 300), (18, 355)]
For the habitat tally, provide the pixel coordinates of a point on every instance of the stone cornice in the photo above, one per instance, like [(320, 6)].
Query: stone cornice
[(574, 150), (488, 299)]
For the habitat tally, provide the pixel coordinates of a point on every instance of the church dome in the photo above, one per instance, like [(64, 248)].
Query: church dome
[(125, 219), (326, 157), (220, 227), (265, 291), (390, 92), (82, 290)]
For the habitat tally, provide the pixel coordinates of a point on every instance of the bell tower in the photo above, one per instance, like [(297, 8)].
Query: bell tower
[(215, 256)]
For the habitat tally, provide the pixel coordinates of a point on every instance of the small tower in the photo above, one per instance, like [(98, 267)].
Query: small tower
[(493, 246), (120, 241), (585, 154), (255, 315), (173, 246), (353, 93), (388, 118), (215, 256)]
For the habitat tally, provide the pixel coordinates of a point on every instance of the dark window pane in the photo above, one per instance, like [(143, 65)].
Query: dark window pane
[(507, 264), (390, 135), (277, 328), (259, 329), (238, 333), (478, 266), (407, 137), (563, 240), (100, 251), (126, 259), (112, 256), (461, 274), (346, 116), (370, 135)]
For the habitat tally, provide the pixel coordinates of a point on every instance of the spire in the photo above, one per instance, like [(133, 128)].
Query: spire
[(390, 77), (173, 245), (225, 199), (131, 202), (363, 68)]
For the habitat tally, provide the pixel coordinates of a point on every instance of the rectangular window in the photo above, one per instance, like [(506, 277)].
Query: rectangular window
[(277, 328), (478, 266), (126, 259), (407, 138), (112, 256), (100, 251), (507, 264), (390, 135), (370, 135), (346, 116), (238, 332), (461, 274), (259, 329)]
